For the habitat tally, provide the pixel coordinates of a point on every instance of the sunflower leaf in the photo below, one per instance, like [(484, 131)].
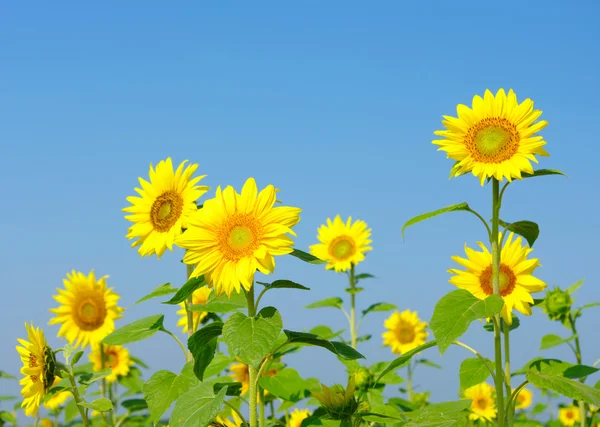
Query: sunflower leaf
[(161, 290), (362, 276), (335, 302), (222, 304), (197, 407), (379, 306), (306, 257), (543, 172), (101, 405), (135, 405), (528, 229), (452, 208), (136, 331), (283, 284), (564, 369), (285, 384), (203, 344), (233, 388), (472, 372), (7, 376), (342, 350), (400, 361), (573, 288), (565, 386), (186, 290), (551, 340)]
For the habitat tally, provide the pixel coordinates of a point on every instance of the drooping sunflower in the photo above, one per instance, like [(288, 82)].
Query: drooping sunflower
[(38, 369), (234, 234), (342, 244), (116, 357), (88, 309), (524, 399), (57, 399), (200, 296), (405, 331), (516, 280), (164, 206), (495, 138), (483, 406), (297, 416), (569, 415), (224, 421)]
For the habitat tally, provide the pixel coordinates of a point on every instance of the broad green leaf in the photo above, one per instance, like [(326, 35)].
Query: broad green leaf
[(525, 367), (284, 284), (76, 357), (233, 388), (354, 291), (383, 414), (445, 414), (335, 302), (551, 340), (138, 362), (222, 303), (202, 344), (590, 305), (379, 306), (558, 367), (8, 417), (218, 364), (91, 377), (285, 384), (252, 338), (306, 257), (528, 229), (362, 276), (159, 291), (489, 325), (400, 361), (133, 381), (315, 421), (429, 363), (565, 386), (402, 404), (542, 172), (452, 208), (539, 408), (443, 408), (186, 290), (472, 372), (7, 376), (101, 405), (197, 407), (342, 350), (136, 331), (134, 405), (325, 332), (455, 311), (71, 410), (573, 288)]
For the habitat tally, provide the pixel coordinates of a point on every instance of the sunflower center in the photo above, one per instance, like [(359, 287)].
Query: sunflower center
[(481, 403), (112, 359), (239, 236), (342, 248), (569, 415), (166, 210), (33, 362), (90, 312), (405, 334), (508, 280), (492, 140)]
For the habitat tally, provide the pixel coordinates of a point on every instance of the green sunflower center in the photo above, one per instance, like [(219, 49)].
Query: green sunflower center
[(507, 282), (342, 248), (405, 334), (492, 140), (166, 210), (239, 236), (90, 312)]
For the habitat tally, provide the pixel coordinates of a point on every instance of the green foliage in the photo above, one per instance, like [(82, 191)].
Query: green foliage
[(101, 405), (452, 208), (187, 290), (542, 172), (473, 371), (136, 331), (379, 307), (306, 257), (528, 229), (134, 405), (203, 344), (335, 302), (402, 360), (159, 291), (551, 340), (286, 384), (283, 284), (338, 348), (197, 407)]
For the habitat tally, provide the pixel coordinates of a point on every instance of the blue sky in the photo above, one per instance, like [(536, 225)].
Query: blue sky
[(334, 103)]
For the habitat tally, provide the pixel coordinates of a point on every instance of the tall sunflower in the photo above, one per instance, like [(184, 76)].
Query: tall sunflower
[(38, 369), (495, 138), (234, 234), (483, 406), (342, 244), (297, 416), (200, 296), (116, 357), (516, 280), (88, 309), (569, 415), (57, 399), (524, 399), (405, 331), (164, 206)]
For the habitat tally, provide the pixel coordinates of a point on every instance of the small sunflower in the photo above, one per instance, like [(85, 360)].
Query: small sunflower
[(483, 406), (234, 234), (38, 369), (200, 296), (342, 245), (46, 422), (496, 138), (524, 399), (164, 208), (405, 331), (297, 416), (88, 309), (516, 280), (569, 415), (116, 357), (224, 421), (241, 374), (57, 399)]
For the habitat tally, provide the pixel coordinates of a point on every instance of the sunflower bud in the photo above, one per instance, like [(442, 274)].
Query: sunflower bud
[(420, 399), (557, 304), (362, 378), (49, 368), (339, 402)]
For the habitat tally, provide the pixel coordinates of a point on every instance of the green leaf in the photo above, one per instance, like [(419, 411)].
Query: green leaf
[(342, 350), (452, 208), (222, 304), (472, 372), (134, 405), (489, 326), (551, 340), (429, 363), (362, 276), (71, 410), (233, 388), (325, 332), (379, 306), (455, 311), (101, 405), (571, 289), (539, 408), (159, 291), (198, 407), (525, 368), (382, 414), (252, 338), (445, 414), (285, 384), (565, 386), (136, 331), (91, 377), (4, 397), (187, 290), (306, 257), (354, 291), (528, 229), (558, 367), (138, 362), (400, 361), (590, 305), (76, 357), (335, 302), (8, 417), (203, 344), (133, 381), (7, 376), (542, 172), (218, 364), (283, 284)]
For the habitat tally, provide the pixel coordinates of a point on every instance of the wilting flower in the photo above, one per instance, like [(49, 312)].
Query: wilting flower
[(569, 415), (405, 331), (116, 357), (339, 402), (523, 399), (483, 405), (200, 296)]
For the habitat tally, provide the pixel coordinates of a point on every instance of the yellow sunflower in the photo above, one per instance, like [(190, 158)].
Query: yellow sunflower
[(405, 331), (46, 422), (200, 296), (57, 399), (342, 245), (483, 406), (164, 206), (524, 399), (88, 309), (568, 416), (237, 421), (241, 374), (516, 280), (116, 357), (495, 138), (38, 369), (234, 234), (297, 416)]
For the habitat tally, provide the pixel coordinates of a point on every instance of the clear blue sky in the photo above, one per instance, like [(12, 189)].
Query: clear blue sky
[(333, 102)]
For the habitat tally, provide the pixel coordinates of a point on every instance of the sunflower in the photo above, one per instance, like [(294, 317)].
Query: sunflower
[(38, 369), (116, 357), (224, 421), (569, 415), (200, 296), (496, 138), (88, 309), (483, 406), (164, 208), (234, 234), (297, 416), (241, 374), (46, 422), (523, 399), (405, 331), (342, 245), (57, 399), (516, 280)]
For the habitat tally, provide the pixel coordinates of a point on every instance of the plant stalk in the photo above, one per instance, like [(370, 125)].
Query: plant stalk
[(190, 313), (353, 331), (261, 405), (251, 369), (511, 408), (77, 398), (409, 378), (582, 411)]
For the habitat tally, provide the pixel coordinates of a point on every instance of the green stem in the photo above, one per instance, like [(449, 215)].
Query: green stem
[(251, 369), (111, 396), (512, 397), (261, 405), (582, 411), (105, 415), (190, 314), (496, 288), (186, 354), (476, 353), (78, 399), (233, 408), (510, 409), (272, 406), (409, 377), (353, 331)]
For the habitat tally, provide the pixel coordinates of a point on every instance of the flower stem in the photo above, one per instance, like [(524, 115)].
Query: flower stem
[(107, 417), (261, 405), (186, 354), (510, 409), (251, 369), (582, 411), (353, 331), (77, 398), (190, 313), (499, 378), (409, 377)]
